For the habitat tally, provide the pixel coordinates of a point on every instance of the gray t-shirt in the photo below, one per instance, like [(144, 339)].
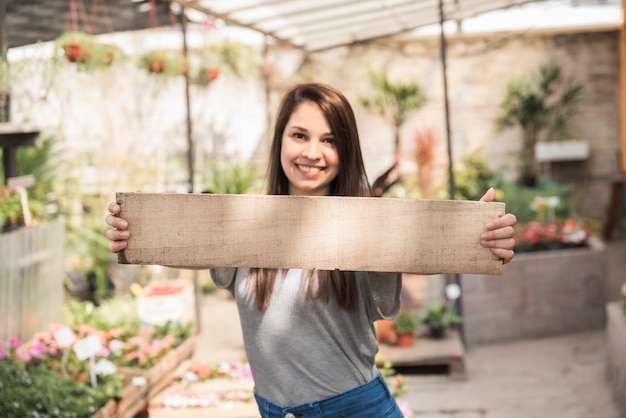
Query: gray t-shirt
[(304, 350)]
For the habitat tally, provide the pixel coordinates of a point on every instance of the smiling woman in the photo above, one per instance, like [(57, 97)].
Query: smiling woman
[(308, 155)]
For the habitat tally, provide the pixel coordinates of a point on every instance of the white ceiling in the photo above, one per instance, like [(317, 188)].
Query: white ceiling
[(322, 24)]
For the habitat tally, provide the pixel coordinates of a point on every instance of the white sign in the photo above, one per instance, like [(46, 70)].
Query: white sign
[(65, 337), (88, 347)]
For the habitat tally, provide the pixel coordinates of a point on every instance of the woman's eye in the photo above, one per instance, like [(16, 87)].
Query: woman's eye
[(329, 140), (299, 135)]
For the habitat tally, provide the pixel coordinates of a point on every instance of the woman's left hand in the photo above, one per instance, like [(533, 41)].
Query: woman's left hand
[(498, 236)]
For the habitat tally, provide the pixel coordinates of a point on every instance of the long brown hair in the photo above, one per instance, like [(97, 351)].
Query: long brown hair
[(350, 181)]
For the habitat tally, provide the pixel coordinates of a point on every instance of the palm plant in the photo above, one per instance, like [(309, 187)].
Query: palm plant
[(394, 101), (542, 103)]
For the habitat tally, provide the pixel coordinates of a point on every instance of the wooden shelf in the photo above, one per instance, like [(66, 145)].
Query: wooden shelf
[(427, 351)]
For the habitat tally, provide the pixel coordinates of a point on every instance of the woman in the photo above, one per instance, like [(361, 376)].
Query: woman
[(309, 335)]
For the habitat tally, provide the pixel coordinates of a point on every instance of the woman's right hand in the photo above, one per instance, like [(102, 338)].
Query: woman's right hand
[(119, 235)]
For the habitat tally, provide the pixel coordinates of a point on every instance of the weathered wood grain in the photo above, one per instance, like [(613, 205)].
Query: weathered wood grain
[(347, 233)]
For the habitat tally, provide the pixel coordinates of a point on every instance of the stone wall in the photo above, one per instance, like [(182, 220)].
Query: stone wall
[(540, 294)]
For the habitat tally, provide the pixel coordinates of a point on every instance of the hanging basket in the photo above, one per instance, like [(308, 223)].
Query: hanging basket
[(165, 63), (84, 49)]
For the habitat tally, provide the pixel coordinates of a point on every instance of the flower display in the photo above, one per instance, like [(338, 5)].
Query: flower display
[(206, 371), (541, 236)]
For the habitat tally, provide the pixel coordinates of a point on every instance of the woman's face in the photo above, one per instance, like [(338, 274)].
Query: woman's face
[(308, 153)]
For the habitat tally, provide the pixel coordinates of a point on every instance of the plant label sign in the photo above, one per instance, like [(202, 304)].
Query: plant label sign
[(88, 347), (326, 233), (65, 337)]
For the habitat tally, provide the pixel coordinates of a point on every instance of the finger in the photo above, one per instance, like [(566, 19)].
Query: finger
[(116, 222), (505, 255), (114, 208), (489, 195), (117, 246), (503, 221), (505, 243), (500, 233), (117, 235)]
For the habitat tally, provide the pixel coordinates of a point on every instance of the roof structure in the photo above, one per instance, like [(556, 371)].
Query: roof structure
[(324, 24), (32, 21)]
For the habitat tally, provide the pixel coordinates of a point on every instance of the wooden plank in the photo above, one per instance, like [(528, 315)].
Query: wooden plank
[(346, 233)]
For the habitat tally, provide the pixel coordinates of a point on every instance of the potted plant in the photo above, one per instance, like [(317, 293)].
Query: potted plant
[(405, 325), (82, 48), (542, 106), (163, 62), (438, 318)]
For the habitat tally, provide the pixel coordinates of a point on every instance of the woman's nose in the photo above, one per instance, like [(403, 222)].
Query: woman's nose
[(311, 150)]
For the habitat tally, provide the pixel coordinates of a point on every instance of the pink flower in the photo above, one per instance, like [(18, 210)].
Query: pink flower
[(14, 342)]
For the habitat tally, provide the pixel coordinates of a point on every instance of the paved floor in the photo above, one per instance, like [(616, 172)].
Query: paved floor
[(564, 377)]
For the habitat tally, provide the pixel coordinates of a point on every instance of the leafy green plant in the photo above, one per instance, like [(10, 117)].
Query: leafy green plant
[(540, 104), (35, 390), (475, 177), (224, 178), (164, 62), (85, 49), (439, 316), (407, 321), (394, 101)]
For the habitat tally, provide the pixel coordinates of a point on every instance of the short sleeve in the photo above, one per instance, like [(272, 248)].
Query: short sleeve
[(384, 292), (223, 276)]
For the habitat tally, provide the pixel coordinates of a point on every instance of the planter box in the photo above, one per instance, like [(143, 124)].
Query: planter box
[(540, 294), (561, 151), (207, 389), (142, 385), (107, 411), (616, 341)]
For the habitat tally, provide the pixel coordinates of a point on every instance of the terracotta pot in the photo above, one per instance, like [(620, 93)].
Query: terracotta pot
[(385, 332), (405, 340)]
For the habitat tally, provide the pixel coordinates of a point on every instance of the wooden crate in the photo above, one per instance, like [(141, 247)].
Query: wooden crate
[(107, 411), (157, 409), (136, 396)]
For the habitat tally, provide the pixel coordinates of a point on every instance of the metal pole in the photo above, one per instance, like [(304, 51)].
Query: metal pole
[(190, 141), (451, 190), (5, 93)]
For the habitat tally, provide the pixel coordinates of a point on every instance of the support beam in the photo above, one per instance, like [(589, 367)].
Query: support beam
[(623, 83), (346, 233)]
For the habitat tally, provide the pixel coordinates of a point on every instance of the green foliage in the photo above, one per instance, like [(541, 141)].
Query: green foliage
[(407, 321), (394, 101), (438, 316), (475, 177), (542, 103), (224, 178), (180, 331), (38, 392), (119, 312), (85, 49), (231, 56), (519, 199), (164, 62)]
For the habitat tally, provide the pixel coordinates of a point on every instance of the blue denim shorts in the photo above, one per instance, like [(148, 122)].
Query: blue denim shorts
[(371, 400)]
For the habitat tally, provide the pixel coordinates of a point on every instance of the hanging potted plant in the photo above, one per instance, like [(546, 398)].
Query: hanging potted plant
[(82, 48), (167, 63)]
